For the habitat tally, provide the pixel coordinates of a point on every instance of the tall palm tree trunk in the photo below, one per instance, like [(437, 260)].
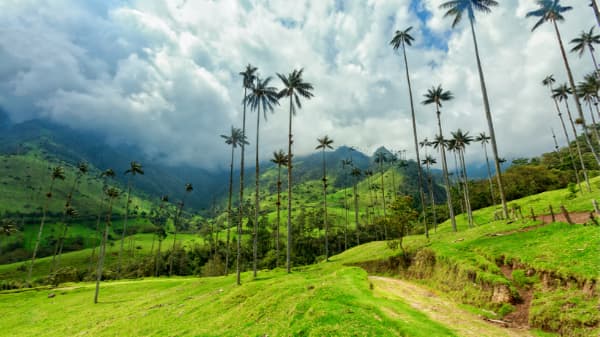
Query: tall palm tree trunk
[(581, 162), (431, 195), (383, 202), (325, 223), (596, 11), (577, 101), (256, 200), (416, 140), (61, 237), (289, 201), (461, 154), (98, 237), (103, 251), (39, 236), (278, 216), (241, 215), (594, 128), (346, 216), (124, 227), (229, 211), (564, 127), (488, 116), (445, 172), (355, 191), (157, 258), (489, 174), (459, 182)]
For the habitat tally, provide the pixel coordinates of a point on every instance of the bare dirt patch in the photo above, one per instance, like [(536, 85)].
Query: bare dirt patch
[(519, 318)]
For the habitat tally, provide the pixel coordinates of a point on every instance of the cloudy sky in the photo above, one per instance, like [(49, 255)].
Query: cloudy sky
[(164, 74)]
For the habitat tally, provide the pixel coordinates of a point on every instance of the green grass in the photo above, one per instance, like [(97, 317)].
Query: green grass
[(322, 300)]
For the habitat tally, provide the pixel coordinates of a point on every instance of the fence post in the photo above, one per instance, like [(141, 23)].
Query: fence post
[(552, 213), (533, 217), (566, 214), (595, 203)]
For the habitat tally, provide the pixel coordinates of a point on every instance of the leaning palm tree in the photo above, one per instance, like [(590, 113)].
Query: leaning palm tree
[(234, 139), (588, 90), (324, 144), (586, 40), (188, 189), (70, 213), (402, 38), (428, 162), (356, 173), (549, 82), (57, 173), (248, 78), (82, 169), (109, 173), (461, 140), (552, 10), (112, 193), (8, 227), (484, 140), (280, 159), (562, 94), (135, 168), (380, 159), (456, 9), (294, 87), (437, 96), (265, 97)]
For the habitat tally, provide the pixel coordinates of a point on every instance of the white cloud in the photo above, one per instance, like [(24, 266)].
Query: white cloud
[(164, 74)]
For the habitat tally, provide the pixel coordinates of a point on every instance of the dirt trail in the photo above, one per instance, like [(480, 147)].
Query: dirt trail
[(465, 324)]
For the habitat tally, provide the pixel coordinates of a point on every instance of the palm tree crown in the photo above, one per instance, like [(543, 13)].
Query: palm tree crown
[(263, 96), (235, 138), (585, 40), (437, 96), (295, 87), (548, 80), (402, 37), (135, 168), (324, 143), (248, 76), (550, 10), (457, 8), (58, 173), (279, 158), (562, 92)]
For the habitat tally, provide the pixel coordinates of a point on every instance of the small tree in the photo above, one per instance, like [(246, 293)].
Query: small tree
[(403, 218)]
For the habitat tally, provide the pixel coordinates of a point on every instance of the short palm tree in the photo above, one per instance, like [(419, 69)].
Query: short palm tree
[(248, 79), (265, 97), (552, 10), (294, 87), (484, 140), (324, 144), (8, 227), (456, 9), (549, 82), (280, 159), (402, 38), (586, 40), (380, 159), (112, 193), (356, 174), (57, 173), (428, 162), (134, 169), (188, 189), (234, 139), (561, 93), (461, 141), (437, 96)]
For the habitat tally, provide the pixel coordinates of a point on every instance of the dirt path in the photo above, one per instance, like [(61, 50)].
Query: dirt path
[(446, 312)]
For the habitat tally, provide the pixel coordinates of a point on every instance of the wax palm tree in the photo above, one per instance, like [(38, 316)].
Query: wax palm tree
[(134, 169), (235, 139), (552, 10), (462, 140), (57, 173), (456, 9), (561, 93), (380, 159), (280, 159), (437, 96), (188, 189), (109, 173), (346, 163), (248, 78), (82, 169), (402, 38), (324, 144), (356, 174), (161, 233), (588, 91), (295, 88), (451, 147), (586, 40), (549, 82), (8, 227), (428, 162), (70, 213), (393, 160), (265, 97), (369, 174), (484, 139), (112, 193)]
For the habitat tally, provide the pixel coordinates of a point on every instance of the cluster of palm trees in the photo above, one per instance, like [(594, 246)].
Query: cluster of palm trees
[(259, 95)]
